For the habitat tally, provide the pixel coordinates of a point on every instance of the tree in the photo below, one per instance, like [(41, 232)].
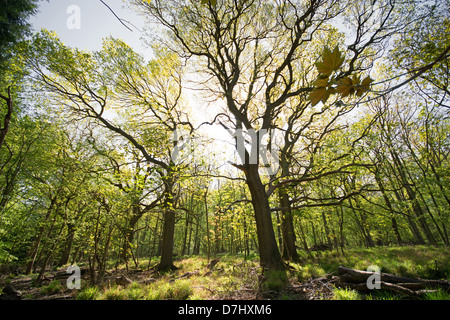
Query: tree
[(250, 52), (426, 45), (13, 28), (116, 80)]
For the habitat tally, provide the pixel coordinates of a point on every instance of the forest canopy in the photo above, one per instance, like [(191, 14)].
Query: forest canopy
[(336, 122)]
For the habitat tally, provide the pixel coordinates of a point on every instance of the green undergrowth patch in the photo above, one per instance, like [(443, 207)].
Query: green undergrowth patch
[(160, 290), (426, 262)]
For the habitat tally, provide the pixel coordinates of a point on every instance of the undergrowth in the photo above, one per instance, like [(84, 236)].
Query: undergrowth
[(236, 278)]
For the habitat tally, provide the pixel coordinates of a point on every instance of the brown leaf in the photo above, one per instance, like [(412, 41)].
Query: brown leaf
[(319, 94), (331, 61), (345, 87)]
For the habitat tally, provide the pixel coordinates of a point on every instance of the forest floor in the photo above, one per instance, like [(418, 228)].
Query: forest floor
[(233, 277)]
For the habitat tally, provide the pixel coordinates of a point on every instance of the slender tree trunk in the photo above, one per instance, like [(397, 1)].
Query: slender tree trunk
[(68, 245), (412, 225), (413, 198), (186, 227), (314, 233), (208, 241), (37, 242), (389, 205)]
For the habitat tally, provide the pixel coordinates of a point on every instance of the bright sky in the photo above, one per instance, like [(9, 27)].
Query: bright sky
[(84, 23)]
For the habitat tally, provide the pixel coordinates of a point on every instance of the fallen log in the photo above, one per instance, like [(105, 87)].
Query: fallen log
[(348, 275), (400, 289), (212, 263)]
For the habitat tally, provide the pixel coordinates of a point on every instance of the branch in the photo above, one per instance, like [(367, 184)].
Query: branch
[(422, 70), (328, 204), (296, 181), (120, 20)]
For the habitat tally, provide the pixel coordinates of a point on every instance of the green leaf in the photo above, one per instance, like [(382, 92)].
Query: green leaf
[(366, 83)]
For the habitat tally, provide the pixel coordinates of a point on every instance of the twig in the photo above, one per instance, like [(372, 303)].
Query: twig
[(120, 20)]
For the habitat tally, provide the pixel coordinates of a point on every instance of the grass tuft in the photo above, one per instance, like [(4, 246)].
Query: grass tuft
[(90, 293), (345, 294), (52, 288)]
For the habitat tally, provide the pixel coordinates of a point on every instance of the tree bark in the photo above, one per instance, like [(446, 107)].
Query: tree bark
[(166, 262), (289, 251), (269, 255), (68, 245), (130, 231)]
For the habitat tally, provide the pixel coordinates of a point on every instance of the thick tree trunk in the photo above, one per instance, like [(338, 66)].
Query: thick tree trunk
[(5, 125), (269, 255), (289, 252), (166, 262)]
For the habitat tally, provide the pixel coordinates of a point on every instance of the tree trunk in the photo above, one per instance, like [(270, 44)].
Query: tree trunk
[(37, 242), (185, 237), (5, 125), (412, 225), (289, 251), (389, 205), (130, 231), (401, 169), (359, 276), (166, 262), (208, 241), (269, 255), (68, 245)]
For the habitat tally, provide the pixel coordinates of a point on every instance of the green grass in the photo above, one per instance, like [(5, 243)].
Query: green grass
[(90, 293), (409, 261), (439, 294), (178, 290), (160, 290), (52, 288), (346, 294), (275, 280)]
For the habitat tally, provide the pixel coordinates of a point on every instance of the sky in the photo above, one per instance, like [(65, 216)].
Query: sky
[(84, 23)]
